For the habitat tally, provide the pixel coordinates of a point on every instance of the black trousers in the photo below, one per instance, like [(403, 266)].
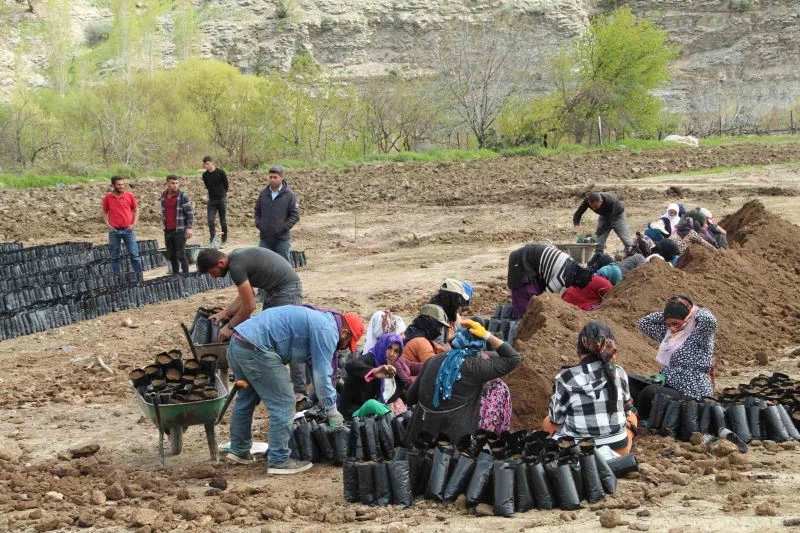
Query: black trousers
[(215, 206), (175, 242)]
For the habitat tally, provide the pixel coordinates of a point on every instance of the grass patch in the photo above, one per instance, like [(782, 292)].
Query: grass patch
[(26, 181), (750, 139), (394, 157)]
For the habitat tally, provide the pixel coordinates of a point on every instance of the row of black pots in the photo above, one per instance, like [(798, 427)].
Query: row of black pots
[(751, 419), (49, 315), (298, 259), (33, 253), (503, 328), (26, 269), (503, 311), (89, 271), (547, 474), (7, 247), (29, 296)]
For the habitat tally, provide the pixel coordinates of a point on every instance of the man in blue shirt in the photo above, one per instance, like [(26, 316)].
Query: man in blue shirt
[(259, 352)]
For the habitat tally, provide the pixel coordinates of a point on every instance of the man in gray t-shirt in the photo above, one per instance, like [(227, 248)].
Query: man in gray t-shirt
[(251, 268)]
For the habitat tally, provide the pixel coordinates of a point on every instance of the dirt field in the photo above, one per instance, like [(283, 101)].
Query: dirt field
[(384, 236)]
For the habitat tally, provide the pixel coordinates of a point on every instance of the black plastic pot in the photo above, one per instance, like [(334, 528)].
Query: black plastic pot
[(383, 487), (459, 477), (503, 484), (592, 486), (320, 435), (672, 419), (568, 498), (753, 409), (737, 415), (305, 444), (523, 497), (369, 439), (623, 465), (340, 438), (138, 378), (607, 476), (537, 480), (400, 479), (355, 448), (478, 483), (366, 483), (658, 410), (787, 422), (690, 422)]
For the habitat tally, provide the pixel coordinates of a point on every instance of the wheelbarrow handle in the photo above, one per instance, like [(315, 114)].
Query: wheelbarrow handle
[(239, 384)]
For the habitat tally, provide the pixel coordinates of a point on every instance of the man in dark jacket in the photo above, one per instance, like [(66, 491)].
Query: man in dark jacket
[(611, 217), (216, 182), (277, 211), (178, 216)]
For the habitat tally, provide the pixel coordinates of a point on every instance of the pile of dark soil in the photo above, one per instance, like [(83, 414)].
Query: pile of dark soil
[(750, 289)]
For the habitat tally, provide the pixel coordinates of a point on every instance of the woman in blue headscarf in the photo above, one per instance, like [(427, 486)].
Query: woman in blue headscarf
[(370, 386), (449, 390)]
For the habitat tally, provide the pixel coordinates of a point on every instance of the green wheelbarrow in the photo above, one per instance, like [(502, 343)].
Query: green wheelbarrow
[(174, 418)]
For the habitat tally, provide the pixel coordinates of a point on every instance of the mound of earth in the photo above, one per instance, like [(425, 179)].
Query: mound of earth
[(754, 297)]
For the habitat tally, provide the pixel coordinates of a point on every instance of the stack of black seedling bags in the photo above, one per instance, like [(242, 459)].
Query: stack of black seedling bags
[(512, 472), (376, 471), (172, 379), (298, 259), (501, 324), (203, 329), (766, 408), (6, 247)]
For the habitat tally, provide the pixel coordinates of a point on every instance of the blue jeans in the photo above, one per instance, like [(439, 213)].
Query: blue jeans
[(115, 238), (269, 382), (282, 248)]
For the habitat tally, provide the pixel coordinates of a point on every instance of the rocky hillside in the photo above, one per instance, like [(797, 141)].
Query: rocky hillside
[(735, 55)]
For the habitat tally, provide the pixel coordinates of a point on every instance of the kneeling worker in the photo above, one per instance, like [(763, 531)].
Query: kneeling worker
[(259, 351)]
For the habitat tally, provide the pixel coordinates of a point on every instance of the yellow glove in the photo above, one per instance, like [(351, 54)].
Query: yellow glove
[(476, 329)]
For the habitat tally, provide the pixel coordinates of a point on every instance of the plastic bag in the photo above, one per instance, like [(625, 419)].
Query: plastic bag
[(355, 449), (537, 479), (440, 468), (350, 482), (369, 440), (366, 483), (323, 442), (568, 498), (607, 477), (383, 488), (592, 486), (459, 478), (523, 499), (503, 480), (478, 483), (340, 439), (305, 444), (385, 436), (400, 479)]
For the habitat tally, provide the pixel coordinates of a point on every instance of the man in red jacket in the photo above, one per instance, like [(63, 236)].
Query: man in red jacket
[(121, 213)]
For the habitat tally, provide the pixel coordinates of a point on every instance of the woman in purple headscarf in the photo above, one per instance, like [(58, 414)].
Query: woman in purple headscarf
[(371, 386)]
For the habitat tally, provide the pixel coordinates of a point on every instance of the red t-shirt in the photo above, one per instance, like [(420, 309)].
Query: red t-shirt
[(120, 208), (590, 296), (171, 211)]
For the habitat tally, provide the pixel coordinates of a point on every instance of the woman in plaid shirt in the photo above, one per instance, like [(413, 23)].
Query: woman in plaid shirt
[(592, 398)]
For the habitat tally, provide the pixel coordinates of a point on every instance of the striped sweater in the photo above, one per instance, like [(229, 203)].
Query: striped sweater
[(541, 263)]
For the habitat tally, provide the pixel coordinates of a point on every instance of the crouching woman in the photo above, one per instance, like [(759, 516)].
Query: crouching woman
[(449, 391), (592, 398)]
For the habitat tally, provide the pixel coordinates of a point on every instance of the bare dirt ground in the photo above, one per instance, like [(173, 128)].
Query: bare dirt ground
[(376, 237)]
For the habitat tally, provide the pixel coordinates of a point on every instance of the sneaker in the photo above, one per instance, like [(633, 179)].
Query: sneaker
[(214, 243), (289, 466), (245, 459)]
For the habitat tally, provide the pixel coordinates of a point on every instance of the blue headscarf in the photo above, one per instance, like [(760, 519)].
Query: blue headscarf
[(464, 345), (378, 353), (467, 289), (612, 273)]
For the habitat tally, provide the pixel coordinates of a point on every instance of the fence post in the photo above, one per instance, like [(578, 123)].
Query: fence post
[(791, 121)]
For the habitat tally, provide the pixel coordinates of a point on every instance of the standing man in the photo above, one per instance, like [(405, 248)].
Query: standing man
[(178, 216), (259, 352), (216, 182), (277, 211), (255, 268), (611, 217), (121, 213)]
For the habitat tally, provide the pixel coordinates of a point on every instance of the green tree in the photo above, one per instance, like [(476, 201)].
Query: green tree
[(125, 36), (610, 72), (184, 29), (59, 42)]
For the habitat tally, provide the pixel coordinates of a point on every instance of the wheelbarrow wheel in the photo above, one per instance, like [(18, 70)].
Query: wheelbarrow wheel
[(175, 440)]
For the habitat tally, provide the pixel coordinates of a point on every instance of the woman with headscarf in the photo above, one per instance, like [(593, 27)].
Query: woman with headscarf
[(686, 235), (535, 268), (453, 298), (371, 385), (598, 261), (592, 399), (658, 230), (448, 392), (382, 322), (686, 353), (421, 337), (673, 214), (590, 296)]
